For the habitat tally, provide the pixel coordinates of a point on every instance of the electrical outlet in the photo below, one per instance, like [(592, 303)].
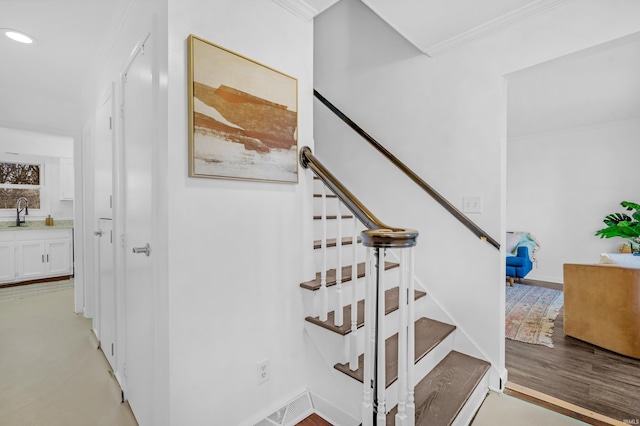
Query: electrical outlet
[(263, 371)]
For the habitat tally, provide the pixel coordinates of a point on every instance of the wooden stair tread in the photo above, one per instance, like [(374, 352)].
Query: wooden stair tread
[(333, 217), (391, 304), (331, 242), (346, 275), (443, 392), (428, 334)]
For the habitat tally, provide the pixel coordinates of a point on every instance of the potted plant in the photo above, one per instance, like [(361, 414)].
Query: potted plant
[(623, 225)]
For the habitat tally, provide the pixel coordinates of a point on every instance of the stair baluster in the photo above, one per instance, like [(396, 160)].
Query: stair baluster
[(369, 342), (405, 357), (324, 302), (411, 343), (339, 317), (353, 342)]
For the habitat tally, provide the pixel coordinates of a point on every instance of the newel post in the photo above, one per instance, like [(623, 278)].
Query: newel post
[(375, 407)]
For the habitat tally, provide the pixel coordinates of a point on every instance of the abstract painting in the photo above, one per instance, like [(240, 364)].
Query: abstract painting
[(243, 118)]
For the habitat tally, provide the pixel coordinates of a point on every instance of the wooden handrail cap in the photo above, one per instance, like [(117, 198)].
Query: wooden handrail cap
[(389, 238)]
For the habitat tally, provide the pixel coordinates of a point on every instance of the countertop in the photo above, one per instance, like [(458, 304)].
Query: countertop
[(35, 225)]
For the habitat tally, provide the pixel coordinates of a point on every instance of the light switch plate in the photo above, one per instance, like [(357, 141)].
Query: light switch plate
[(472, 204)]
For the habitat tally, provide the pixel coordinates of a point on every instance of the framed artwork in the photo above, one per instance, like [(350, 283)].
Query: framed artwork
[(243, 117)]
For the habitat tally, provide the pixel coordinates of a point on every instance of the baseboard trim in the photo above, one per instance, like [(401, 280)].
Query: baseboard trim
[(331, 413), (38, 281), (559, 406)]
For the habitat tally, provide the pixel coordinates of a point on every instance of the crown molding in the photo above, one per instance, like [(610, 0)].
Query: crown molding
[(299, 8), (536, 8)]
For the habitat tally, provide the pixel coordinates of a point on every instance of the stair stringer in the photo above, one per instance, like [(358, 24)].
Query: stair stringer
[(332, 386), (464, 343)]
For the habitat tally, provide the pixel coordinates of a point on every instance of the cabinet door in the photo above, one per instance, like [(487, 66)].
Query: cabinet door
[(31, 260), (7, 261), (58, 257), (66, 179)]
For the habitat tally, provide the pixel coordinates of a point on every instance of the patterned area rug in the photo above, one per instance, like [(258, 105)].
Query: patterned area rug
[(530, 312)]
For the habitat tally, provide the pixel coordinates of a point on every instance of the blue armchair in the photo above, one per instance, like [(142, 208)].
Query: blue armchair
[(518, 266)]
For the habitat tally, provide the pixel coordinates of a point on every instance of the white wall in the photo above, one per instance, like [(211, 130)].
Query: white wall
[(237, 250), (562, 184), (573, 127), (47, 149), (445, 117)]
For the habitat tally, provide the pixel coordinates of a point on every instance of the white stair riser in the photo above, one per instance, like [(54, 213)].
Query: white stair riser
[(335, 348), (474, 402), (332, 228), (332, 206), (332, 256), (312, 299)]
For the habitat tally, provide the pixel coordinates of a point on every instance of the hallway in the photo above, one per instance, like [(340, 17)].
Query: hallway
[(52, 373)]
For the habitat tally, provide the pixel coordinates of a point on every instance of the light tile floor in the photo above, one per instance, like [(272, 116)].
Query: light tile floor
[(50, 368), (53, 374), (499, 409)]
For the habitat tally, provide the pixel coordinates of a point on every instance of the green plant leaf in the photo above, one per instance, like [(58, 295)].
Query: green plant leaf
[(630, 206), (621, 224)]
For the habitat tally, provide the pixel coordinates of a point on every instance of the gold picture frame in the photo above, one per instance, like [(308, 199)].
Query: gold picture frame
[(243, 117)]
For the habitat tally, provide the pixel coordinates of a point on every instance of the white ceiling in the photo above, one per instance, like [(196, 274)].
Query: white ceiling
[(435, 26), (70, 33), (589, 88)]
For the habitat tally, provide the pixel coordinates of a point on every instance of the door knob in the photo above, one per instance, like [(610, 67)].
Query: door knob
[(146, 250), (98, 233)]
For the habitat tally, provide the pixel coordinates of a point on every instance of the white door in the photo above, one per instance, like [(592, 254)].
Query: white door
[(138, 207), (102, 183), (103, 158), (107, 288)]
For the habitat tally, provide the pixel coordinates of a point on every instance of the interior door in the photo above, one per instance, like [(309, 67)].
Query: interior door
[(107, 291), (103, 158), (138, 239), (105, 316)]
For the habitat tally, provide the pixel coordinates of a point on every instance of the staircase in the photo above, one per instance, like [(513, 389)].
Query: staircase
[(449, 385)]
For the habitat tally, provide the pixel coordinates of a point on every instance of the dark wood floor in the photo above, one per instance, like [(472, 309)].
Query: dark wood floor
[(577, 372), (314, 420)]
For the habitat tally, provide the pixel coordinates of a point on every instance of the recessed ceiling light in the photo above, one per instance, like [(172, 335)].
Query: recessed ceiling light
[(18, 36)]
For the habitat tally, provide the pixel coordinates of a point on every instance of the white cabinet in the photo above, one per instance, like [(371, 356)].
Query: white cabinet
[(58, 256), (31, 264), (66, 179), (7, 259), (42, 254)]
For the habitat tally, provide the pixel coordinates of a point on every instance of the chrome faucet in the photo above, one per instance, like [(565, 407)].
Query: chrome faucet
[(19, 210)]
